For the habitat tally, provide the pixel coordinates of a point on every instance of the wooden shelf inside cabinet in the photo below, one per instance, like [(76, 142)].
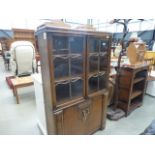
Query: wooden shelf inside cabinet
[(136, 93), (74, 83), (128, 108), (134, 106), (138, 80)]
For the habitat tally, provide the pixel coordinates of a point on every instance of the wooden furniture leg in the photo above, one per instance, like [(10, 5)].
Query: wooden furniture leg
[(16, 95), (13, 89)]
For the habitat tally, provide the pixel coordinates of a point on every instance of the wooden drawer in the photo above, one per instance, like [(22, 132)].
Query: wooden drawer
[(83, 118)]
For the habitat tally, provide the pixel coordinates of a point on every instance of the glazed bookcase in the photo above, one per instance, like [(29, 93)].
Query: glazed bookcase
[(75, 72)]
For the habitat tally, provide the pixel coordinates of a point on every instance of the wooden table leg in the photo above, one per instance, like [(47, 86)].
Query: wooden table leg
[(13, 89), (16, 95)]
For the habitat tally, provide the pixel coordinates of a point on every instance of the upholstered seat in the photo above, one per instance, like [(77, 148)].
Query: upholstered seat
[(22, 58)]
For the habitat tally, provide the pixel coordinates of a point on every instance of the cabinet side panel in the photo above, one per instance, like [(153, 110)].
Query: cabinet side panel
[(45, 70), (104, 109)]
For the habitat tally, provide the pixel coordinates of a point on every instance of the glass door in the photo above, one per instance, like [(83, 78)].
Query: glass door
[(68, 65), (98, 62)]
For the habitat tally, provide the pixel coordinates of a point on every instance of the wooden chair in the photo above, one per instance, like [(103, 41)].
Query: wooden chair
[(150, 78), (150, 62)]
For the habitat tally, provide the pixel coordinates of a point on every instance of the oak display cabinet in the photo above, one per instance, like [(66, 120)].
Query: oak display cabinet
[(75, 70)]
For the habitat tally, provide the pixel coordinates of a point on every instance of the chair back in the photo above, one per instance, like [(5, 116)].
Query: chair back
[(23, 53), (150, 62)]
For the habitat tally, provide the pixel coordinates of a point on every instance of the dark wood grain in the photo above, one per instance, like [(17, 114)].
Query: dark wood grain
[(82, 114)]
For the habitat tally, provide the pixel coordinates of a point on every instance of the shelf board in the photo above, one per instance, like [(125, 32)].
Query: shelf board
[(138, 80), (133, 106), (136, 93)]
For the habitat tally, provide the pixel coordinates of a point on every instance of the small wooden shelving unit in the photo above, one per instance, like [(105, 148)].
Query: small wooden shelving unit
[(132, 87)]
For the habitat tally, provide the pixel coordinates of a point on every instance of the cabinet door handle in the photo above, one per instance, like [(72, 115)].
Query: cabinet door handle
[(84, 110), (85, 114)]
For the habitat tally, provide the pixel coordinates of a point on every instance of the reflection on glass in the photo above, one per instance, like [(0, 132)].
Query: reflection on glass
[(104, 44), (76, 44), (60, 45), (103, 63), (76, 66), (62, 92), (102, 82), (94, 45), (77, 88), (93, 84), (93, 63), (61, 67)]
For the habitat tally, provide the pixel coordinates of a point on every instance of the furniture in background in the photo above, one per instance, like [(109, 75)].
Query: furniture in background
[(24, 35), (150, 54), (150, 62), (150, 83), (75, 71), (41, 115), (20, 82), (136, 52), (7, 57), (22, 58), (132, 84)]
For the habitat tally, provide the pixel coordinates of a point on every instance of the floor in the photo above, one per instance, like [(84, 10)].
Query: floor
[(21, 119), (16, 119)]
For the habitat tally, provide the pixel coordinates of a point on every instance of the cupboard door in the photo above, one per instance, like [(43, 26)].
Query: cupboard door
[(96, 114), (68, 65), (98, 63), (83, 118)]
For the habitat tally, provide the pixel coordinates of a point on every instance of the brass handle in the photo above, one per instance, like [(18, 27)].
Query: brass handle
[(85, 114), (84, 110)]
